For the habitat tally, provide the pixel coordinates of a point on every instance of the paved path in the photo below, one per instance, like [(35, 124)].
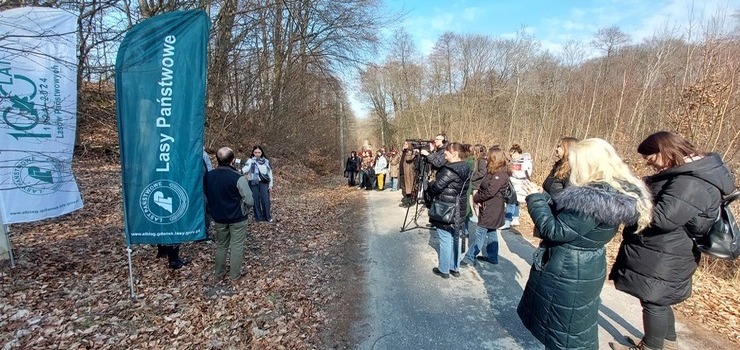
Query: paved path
[(408, 307)]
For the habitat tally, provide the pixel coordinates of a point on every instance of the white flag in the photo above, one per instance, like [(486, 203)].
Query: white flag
[(38, 106)]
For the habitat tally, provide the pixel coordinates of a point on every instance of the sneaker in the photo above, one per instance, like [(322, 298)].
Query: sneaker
[(483, 258), (440, 274), (465, 263), (455, 273), (271, 221)]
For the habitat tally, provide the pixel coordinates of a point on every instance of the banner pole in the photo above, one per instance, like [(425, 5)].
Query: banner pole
[(130, 273), (4, 231)]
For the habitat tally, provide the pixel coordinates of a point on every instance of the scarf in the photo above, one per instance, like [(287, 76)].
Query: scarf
[(254, 169)]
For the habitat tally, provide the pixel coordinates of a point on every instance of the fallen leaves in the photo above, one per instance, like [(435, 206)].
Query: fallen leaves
[(70, 288)]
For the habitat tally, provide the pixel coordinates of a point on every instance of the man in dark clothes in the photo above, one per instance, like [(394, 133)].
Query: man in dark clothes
[(437, 155), (229, 200)]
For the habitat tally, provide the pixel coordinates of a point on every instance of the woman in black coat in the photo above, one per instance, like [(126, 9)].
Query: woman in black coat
[(352, 167), (450, 186), (656, 265), (560, 303), (558, 179)]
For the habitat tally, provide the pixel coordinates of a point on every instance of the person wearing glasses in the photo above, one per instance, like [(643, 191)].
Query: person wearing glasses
[(436, 154)]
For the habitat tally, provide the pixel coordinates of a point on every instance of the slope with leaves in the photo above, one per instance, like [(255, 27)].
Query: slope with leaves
[(70, 288)]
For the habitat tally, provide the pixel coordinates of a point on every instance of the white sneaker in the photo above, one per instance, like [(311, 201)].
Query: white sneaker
[(515, 222), (507, 225)]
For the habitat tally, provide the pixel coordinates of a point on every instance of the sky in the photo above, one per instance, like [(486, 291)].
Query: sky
[(551, 22)]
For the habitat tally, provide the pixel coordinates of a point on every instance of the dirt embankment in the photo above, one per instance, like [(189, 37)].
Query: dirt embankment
[(70, 288)]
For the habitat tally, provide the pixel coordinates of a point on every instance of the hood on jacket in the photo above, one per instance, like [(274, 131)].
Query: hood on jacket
[(602, 202), (461, 168), (711, 169)]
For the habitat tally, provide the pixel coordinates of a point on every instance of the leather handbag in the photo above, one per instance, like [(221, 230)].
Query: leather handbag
[(442, 212), (264, 177)]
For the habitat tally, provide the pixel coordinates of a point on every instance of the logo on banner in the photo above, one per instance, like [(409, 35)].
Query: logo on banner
[(38, 175), (27, 104), (164, 202)]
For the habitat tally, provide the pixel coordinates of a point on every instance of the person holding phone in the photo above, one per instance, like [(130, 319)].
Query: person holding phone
[(521, 170), (560, 303)]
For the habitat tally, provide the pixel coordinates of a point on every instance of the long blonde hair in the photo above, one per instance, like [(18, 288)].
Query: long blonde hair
[(595, 160)]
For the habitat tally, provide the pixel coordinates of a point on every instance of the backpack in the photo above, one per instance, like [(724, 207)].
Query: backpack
[(510, 194), (723, 238)]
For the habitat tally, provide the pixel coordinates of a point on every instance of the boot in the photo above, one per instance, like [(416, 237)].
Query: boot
[(161, 251), (667, 344), (173, 256), (640, 346)]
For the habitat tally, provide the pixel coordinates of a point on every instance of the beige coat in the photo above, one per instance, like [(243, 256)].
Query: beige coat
[(409, 175), (395, 165)]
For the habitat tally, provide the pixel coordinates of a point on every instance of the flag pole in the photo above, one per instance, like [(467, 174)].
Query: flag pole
[(4, 231), (130, 273)]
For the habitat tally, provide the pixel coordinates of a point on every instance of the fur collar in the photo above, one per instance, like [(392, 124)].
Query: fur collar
[(600, 201)]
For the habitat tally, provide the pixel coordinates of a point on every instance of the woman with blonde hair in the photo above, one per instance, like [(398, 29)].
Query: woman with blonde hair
[(561, 299), (559, 176)]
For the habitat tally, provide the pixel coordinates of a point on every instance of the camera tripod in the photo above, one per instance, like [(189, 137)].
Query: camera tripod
[(422, 174)]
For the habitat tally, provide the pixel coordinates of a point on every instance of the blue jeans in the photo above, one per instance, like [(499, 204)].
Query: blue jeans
[(394, 184), (486, 241), (449, 251), (512, 211), (261, 197)]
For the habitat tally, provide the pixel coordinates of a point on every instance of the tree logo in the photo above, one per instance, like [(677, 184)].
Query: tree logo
[(164, 202), (38, 174)]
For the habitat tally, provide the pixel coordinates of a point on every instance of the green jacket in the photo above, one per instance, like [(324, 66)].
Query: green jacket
[(561, 300)]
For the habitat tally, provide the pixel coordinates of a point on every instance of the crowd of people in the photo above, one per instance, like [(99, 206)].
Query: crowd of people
[(588, 195)]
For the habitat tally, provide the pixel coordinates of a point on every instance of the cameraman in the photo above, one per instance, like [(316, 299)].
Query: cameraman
[(437, 155)]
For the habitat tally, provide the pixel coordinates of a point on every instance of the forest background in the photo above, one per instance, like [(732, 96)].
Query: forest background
[(280, 72)]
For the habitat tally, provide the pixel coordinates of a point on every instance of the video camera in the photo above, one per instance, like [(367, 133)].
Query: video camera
[(419, 144)]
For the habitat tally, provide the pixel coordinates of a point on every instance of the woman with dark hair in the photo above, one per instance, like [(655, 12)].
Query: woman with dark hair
[(450, 186), (490, 197), (258, 171), (558, 179), (656, 265), (408, 173), (351, 167), (394, 169)]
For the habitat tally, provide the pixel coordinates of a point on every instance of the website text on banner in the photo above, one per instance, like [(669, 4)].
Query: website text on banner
[(38, 104), (160, 96)]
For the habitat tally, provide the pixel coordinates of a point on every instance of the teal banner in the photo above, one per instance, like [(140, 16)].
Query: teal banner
[(160, 96)]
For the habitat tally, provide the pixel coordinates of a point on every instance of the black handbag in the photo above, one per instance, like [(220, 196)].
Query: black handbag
[(442, 212), (264, 177)]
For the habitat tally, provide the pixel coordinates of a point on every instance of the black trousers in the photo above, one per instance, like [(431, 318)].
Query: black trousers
[(351, 178), (659, 323)]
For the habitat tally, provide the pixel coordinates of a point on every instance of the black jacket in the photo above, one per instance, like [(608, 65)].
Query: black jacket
[(656, 264), (479, 173), (437, 158), (450, 186), (552, 185), (352, 165), (227, 194), (560, 303)]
